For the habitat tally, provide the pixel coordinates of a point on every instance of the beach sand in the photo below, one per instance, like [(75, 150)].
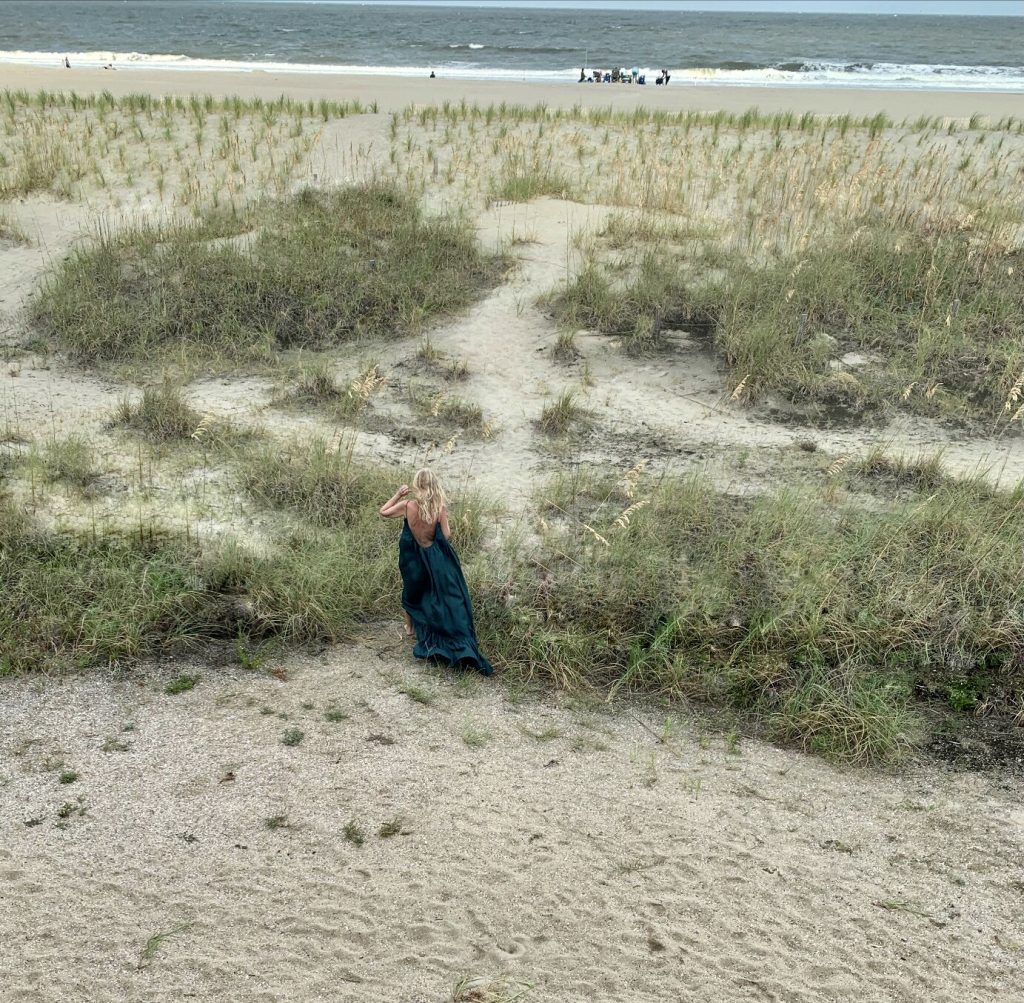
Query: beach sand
[(592, 852), (394, 93)]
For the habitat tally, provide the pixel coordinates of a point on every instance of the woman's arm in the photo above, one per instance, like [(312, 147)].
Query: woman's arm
[(444, 523), (395, 505)]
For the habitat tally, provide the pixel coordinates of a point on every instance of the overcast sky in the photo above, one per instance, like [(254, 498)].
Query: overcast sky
[(1004, 7)]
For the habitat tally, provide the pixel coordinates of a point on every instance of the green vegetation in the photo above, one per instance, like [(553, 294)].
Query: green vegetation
[(11, 230), (71, 461), (160, 415), (354, 833), (526, 176), (325, 269), (820, 621), (636, 307), (935, 317), (181, 684), (823, 622), (562, 413), (943, 314)]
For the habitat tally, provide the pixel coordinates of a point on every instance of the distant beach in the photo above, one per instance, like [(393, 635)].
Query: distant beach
[(394, 92), (701, 49)]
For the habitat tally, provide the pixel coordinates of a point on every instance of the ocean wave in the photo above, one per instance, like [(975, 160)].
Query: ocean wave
[(861, 74), (790, 73)]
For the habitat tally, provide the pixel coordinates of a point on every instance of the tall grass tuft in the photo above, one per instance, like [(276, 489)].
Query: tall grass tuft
[(637, 308), (161, 414)]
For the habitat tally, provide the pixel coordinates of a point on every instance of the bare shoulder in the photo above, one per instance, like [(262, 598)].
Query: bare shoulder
[(412, 510)]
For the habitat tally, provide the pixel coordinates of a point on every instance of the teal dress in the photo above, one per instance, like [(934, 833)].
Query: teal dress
[(435, 596)]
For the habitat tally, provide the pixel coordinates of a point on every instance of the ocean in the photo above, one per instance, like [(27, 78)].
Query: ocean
[(835, 50)]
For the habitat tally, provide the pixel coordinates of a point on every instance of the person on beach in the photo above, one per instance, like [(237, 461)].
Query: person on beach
[(438, 610), (67, 63)]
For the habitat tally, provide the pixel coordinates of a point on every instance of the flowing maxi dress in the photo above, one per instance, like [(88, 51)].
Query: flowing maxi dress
[(435, 596)]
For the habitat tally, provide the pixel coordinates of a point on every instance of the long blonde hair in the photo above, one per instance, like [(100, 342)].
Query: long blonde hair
[(429, 494)]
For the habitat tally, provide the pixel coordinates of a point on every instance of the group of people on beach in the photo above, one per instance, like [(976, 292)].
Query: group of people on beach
[(621, 75)]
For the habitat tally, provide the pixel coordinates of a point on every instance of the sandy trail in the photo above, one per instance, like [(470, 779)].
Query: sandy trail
[(572, 850)]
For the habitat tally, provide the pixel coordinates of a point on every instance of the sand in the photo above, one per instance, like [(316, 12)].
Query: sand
[(394, 93), (593, 853)]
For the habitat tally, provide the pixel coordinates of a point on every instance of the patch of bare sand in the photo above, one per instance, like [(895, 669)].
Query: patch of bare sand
[(595, 855)]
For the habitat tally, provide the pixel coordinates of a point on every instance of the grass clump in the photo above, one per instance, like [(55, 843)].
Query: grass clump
[(182, 684), (944, 320), (637, 307), (562, 413), (486, 990), (394, 827), (160, 415), (329, 267), (71, 461), (475, 737), (824, 624), (322, 482), (417, 693), (292, 736), (525, 176), (354, 833), (11, 230)]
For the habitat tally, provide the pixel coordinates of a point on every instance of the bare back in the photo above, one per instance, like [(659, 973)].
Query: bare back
[(423, 531)]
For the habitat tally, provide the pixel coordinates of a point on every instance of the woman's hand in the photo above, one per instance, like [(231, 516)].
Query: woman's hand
[(395, 505)]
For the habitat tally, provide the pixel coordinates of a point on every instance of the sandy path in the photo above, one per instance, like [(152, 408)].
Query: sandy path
[(598, 864)]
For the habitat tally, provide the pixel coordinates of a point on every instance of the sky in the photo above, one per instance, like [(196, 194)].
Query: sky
[(970, 7)]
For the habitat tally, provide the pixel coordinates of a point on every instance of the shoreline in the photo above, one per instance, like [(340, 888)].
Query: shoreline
[(393, 93)]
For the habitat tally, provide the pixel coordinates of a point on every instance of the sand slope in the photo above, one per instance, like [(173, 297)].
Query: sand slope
[(572, 850)]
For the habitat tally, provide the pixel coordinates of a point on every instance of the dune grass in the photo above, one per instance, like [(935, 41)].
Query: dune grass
[(325, 269), (637, 306), (935, 315), (943, 314), (71, 460), (825, 623)]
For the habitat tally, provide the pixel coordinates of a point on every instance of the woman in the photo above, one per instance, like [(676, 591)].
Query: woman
[(438, 612)]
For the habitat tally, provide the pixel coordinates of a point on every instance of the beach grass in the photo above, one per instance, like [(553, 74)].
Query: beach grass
[(327, 268), (183, 152), (938, 311), (823, 622)]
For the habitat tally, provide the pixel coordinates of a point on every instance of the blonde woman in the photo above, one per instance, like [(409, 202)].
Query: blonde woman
[(438, 611)]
